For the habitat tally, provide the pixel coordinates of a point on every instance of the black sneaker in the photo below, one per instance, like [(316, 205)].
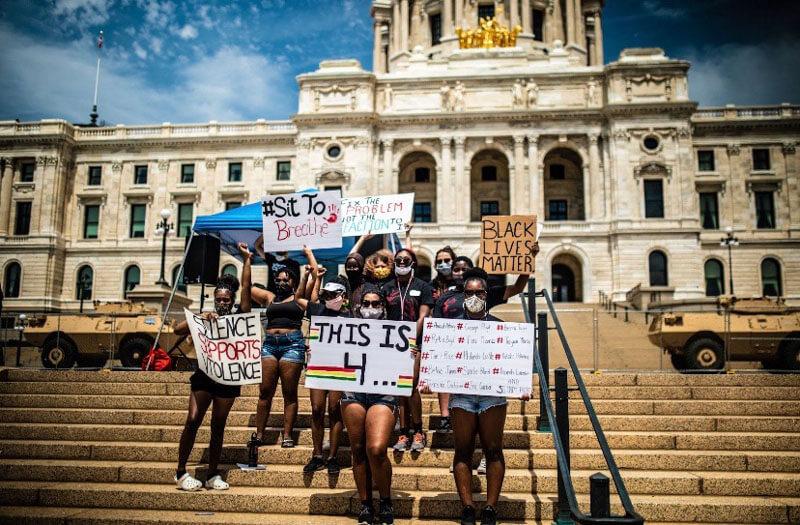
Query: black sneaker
[(333, 466), (488, 515), (316, 463), (444, 425), (367, 515), (386, 513), (468, 515)]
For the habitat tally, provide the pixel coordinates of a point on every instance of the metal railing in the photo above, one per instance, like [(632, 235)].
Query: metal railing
[(599, 490)]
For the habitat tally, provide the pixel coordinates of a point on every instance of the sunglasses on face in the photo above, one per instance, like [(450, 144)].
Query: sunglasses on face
[(444, 261), (470, 293), (373, 304), (329, 295), (403, 261)]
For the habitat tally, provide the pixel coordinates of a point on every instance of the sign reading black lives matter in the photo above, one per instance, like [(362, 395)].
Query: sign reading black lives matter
[(361, 355), (507, 243), (228, 348), (295, 220)]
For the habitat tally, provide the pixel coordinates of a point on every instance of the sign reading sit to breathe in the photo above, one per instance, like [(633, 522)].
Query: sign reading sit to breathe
[(507, 243), (376, 214), (361, 355), (228, 348), (477, 357), (297, 219)]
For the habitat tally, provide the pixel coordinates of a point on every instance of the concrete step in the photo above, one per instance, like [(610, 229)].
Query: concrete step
[(424, 504), (637, 459), (407, 478), (579, 439)]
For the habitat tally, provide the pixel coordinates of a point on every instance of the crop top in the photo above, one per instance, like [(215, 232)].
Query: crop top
[(285, 315)]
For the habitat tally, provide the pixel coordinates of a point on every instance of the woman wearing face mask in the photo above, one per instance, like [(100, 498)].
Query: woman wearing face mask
[(275, 262), (443, 262), (332, 297), (208, 393), (379, 267), (354, 268), (369, 419), (284, 350), (409, 299)]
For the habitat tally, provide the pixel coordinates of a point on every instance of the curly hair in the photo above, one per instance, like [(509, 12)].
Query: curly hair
[(290, 273), (383, 255), (227, 282)]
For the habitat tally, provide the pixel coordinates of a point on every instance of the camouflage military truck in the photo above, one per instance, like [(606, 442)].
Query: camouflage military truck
[(126, 328), (735, 329)]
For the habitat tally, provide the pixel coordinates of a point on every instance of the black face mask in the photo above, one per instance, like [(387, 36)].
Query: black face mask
[(354, 275), (283, 290)]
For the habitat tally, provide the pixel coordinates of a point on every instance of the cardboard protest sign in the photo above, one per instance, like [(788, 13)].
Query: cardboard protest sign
[(507, 244), (361, 355), (297, 219), (228, 347), (477, 357), (376, 214)]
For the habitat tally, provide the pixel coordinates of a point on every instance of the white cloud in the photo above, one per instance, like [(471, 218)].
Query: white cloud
[(766, 73), (655, 8), (155, 44), (187, 32), (140, 51), (83, 12), (159, 13), (227, 84)]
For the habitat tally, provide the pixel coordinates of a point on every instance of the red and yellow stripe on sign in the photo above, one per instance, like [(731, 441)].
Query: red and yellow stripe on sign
[(313, 334), (331, 372), (405, 381), (412, 342)]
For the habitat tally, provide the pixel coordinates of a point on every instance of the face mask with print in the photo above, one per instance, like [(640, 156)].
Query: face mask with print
[(402, 270), (474, 304), (371, 313), (335, 304), (381, 273), (444, 269), (223, 308)]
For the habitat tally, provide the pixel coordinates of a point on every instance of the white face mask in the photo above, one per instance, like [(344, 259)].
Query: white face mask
[(402, 270), (371, 313), (444, 268), (335, 304), (474, 304), (280, 258)]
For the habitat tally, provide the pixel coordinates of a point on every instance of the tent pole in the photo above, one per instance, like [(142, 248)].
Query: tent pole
[(174, 289)]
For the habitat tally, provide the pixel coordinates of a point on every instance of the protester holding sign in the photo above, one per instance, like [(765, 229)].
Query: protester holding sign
[(283, 352), (443, 262), (207, 392)]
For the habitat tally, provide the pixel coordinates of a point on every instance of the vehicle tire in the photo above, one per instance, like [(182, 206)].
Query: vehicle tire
[(59, 352), (790, 355), (704, 354), (93, 361), (678, 361), (133, 350)]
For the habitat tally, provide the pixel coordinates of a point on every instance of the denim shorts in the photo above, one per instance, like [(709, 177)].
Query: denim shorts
[(368, 400), (290, 347), (475, 404)]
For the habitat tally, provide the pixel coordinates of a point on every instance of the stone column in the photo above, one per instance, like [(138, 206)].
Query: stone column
[(570, 22), (5, 194), (447, 18), (536, 194), (396, 27), (598, 38), (389, 184), (580, 25), (462, 181), (445, 180), (403, 25), (526, 17), (514, 15), (377, 52), (517, 188), (459, 21), (596, 186)]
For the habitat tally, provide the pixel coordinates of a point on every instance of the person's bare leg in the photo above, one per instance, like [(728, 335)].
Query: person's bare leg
[(465, 427), (269, 382), (290, 377), (378, 427), (335, 421), (444, 402), (490, 429), (415, 403), (354, 415), (198, 405), (318, 402), (219, 416)]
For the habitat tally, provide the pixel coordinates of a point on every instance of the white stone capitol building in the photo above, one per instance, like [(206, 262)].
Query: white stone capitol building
[(633, 183)]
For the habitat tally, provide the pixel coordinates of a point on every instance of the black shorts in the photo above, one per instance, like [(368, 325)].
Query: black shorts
[(202, 383)]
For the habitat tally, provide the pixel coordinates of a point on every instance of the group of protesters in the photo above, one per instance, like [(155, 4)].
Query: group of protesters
[(382, 285)]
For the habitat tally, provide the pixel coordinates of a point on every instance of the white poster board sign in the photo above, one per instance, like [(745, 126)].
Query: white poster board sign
[(477, 357), (361, 355), (376, 214), (228, 348), (297, 219)]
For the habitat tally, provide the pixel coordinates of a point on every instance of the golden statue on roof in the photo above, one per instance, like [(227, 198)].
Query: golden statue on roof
[(489, 33)]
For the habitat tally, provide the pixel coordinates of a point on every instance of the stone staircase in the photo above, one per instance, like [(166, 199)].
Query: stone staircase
[(100, 447)]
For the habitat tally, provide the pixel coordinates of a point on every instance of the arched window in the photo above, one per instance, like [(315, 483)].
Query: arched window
[(657, 263), (178, 277), (133, 276), (771, 277), (715, 278), (84, 282), (230, 269), (12, 280)]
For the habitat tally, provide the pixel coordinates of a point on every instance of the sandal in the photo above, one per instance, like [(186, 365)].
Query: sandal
[(217, 483), (188, 483), (287, 443)]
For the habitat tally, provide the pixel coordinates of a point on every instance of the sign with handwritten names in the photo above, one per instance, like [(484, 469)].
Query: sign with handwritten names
[(295, 220), (228, 348), (507, 243), (477, 357), (376, 214), (361, 355)]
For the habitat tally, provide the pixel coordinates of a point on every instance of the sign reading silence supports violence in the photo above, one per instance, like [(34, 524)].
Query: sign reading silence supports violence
[(507, 243), (228, 348), (361, 355), (376, 214), (477, 357), (295, 220)]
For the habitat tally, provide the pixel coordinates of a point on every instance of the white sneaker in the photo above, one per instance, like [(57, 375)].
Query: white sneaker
[(217, 483), (482, 466), (188, 483)]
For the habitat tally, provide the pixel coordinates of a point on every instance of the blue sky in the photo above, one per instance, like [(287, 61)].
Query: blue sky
[(193, 61)]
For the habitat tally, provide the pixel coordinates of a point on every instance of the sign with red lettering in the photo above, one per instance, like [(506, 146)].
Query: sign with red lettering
[(302, 219), (376, 214), (507, 243), (228, 348)]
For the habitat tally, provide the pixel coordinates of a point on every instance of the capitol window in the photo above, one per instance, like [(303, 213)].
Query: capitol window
[(654, 199), (538, 25), (705, 160), (284, 170), (234, 172), (436, 28), (187, 173), (557, 172), (26, 172), (761, 161), (422, 174), (334, 151), (91, 221), (95, 176), (765, 210), (22, 220), (485, 11), (488, 173), (557, 210), (651, 143), (490, 208), (133, 276), (657, 267), (709, 213), (422, 212), (138, 213), (140, 174)]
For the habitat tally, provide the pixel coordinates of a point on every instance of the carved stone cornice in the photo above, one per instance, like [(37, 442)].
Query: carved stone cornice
[(258, 162), (651, 168), (46, 161)]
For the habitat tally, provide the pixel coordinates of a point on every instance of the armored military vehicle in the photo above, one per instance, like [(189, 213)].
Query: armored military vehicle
[(124, 328), (735, 329)]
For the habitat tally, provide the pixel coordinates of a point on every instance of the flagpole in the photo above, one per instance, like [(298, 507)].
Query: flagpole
[(93, 115)]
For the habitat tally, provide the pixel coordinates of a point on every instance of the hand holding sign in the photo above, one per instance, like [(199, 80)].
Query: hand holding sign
[(296, 220)]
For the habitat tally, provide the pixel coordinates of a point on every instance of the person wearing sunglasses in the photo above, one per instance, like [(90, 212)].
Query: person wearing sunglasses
[(443, 262), (370, 419), (409, 299), (328, 301)]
